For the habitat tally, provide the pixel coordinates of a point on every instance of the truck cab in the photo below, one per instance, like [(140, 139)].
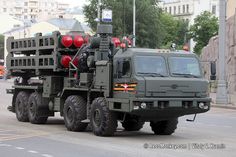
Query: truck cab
[(158, 84)]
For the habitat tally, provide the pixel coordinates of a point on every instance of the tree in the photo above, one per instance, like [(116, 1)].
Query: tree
[(1, 46), (149, 30), (205, 26), (174, 31)]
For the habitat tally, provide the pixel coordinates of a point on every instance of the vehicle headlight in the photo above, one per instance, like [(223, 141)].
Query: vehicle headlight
[(143, 105)]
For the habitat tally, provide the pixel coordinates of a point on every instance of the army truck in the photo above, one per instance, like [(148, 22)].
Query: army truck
[(98, 84)]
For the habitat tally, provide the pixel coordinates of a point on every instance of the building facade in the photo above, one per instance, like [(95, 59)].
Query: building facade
[(231, 6), (28, 10), (190, 9)]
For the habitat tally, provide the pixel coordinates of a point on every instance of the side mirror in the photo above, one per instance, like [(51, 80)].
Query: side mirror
[(213, 71)]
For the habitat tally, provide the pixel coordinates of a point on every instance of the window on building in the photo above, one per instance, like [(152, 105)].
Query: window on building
[(25, 10), (165, 9), (4, 10), (187, 7), (25, 17), (183, 8), (213, 10), (174, 9), (170, 10), (179, 10), (26, 3)]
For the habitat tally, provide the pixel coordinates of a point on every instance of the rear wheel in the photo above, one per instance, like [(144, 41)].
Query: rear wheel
[(74, 113), (166, 127), (132, 125), (103, 121), (34, 104), (21, 106)]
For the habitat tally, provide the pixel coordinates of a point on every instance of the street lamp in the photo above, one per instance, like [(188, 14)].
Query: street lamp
[(221, 95), (134, 22), (99, 12)]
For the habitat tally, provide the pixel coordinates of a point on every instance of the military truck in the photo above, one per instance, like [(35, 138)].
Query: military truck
[(98, 84)]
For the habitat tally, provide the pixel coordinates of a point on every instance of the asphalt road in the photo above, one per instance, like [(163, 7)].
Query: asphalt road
[(212, 134)]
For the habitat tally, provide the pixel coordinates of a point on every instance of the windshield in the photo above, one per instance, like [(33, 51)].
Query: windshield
[(150, 65), (184, 66)]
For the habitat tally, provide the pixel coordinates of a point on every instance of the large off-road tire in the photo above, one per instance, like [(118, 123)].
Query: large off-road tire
[(74, 112), (166, 127), (21, 106), (34, 109), (103, 121), (132, 125)]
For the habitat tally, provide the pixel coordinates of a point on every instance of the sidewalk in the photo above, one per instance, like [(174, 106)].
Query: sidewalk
[(226, 106)]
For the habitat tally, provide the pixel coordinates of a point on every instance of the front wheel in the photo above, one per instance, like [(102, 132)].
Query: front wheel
[(103, 121), (74, 113), (166, 127)]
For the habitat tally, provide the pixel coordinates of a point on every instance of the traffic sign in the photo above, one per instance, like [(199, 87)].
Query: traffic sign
[(106, 15)]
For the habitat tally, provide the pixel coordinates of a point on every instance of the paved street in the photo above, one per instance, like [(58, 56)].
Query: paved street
[(212, 134)]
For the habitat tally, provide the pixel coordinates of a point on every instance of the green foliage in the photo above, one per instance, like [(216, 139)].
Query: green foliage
[(205, 26), (153, 27), (174, 31), (1, 46), (148, 29)]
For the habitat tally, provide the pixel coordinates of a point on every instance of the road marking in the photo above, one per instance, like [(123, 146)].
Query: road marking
[(6, 130), (20, 148), (3, 134), (5, 145), (15, 137), (46, 155), (32, 151), (227, 126)]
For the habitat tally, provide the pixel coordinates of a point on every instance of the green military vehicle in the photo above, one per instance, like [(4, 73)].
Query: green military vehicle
[(94, 83)]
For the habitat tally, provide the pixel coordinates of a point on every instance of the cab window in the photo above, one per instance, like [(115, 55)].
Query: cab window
[(184, 66), (123, 68)]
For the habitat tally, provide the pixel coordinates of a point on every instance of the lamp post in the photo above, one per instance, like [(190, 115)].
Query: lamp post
[(221, 95), (99, 12), (134, 22)]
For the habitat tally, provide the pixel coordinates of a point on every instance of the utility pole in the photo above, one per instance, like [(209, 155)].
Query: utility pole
[(134, 22), (221, 95), (99, 12)]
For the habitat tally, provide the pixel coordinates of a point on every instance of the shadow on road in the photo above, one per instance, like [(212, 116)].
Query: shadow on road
[(54, 121)]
